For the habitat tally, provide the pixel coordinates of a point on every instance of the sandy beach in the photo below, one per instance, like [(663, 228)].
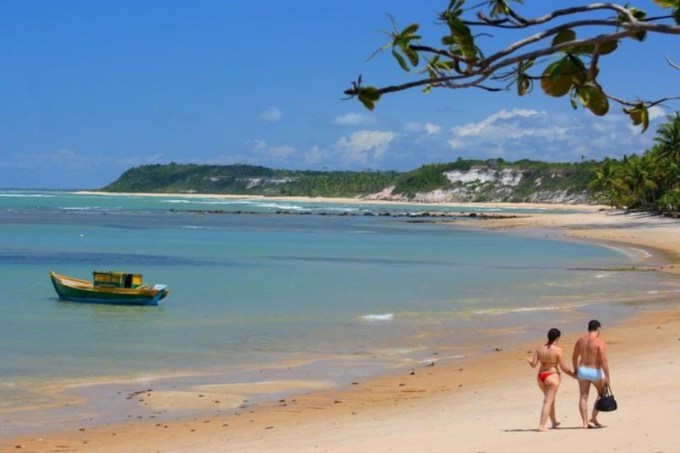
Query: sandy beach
[(487, 403)]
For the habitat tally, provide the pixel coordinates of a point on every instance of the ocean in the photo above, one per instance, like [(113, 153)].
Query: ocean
[(274, 290)]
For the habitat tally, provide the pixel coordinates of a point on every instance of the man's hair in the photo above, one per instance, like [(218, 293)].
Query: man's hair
[(594, 325)]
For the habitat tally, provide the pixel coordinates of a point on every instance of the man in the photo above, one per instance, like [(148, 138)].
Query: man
[(591, 367)]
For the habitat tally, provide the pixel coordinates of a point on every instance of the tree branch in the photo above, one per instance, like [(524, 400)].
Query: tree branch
[(562, 12)]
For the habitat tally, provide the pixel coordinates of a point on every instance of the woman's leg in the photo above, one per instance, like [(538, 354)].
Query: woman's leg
[(549, 387)]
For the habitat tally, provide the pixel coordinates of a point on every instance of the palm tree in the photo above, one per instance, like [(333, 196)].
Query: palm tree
[(638, 176), (668, 138), (607, 181)]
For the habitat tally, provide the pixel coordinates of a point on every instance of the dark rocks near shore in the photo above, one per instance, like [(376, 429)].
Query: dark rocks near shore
[(428, 215)]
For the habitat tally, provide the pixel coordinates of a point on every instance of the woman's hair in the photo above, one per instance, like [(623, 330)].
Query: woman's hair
[(553, 334)]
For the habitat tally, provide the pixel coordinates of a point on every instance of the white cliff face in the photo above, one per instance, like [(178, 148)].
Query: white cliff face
[(506, 177), (484, 184), (255, 182)]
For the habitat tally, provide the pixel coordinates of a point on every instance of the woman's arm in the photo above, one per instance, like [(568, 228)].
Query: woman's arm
[(534, 360), (563, 366)]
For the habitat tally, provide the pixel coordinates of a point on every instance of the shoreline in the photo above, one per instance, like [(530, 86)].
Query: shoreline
[(357, 201), (393, 411)]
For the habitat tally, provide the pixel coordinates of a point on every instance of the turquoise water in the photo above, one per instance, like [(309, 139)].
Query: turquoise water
[(338, 296)]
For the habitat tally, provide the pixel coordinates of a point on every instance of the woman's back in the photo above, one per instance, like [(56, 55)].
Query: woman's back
[(548, 356)]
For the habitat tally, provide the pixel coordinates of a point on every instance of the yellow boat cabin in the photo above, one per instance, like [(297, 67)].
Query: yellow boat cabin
[(117, 279)]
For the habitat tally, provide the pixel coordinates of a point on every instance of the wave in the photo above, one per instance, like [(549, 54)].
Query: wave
[(25, 195), (378, 317), (504, 311)]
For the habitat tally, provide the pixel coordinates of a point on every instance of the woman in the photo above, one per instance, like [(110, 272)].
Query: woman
[(550, 357)]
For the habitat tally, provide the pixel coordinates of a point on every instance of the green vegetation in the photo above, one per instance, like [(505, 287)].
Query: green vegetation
[(462, 180), (560, 51), (648, 182)]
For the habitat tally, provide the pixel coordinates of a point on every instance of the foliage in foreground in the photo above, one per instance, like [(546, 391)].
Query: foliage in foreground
[(561, 51)]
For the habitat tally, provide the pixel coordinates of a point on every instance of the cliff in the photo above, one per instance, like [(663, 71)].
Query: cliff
[(462, 181)]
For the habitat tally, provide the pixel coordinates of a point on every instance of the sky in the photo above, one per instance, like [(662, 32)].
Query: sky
[(89, 89)]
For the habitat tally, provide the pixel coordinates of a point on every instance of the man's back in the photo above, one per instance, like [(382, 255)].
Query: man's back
[(589, 348)]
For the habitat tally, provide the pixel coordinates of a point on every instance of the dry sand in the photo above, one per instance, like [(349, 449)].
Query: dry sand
[(481, 404)]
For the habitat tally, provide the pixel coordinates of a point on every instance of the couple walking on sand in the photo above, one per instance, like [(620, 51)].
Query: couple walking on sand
[(590, 366)]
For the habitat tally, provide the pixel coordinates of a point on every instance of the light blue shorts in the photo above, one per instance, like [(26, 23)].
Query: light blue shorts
[(589, 374)]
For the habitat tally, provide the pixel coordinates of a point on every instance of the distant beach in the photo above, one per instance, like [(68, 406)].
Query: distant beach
[(484, 402), (373, 201)]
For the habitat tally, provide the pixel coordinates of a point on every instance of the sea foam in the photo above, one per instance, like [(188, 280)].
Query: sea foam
[(378, 317)]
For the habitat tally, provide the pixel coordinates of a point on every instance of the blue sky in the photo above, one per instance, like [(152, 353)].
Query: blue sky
[(89, 89)]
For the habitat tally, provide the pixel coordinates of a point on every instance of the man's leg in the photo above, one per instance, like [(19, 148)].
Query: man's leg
[(599, 385), (584, 389)]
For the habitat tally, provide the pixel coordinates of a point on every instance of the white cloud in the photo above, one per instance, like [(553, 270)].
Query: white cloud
[(365, 146), (419, 128), (271, 115), (318, 155), (656, 112), (262, 153), (281, 152), (256, 145), (353, 119), (491, 123), (432, 128), (413, 127), (532, 134)]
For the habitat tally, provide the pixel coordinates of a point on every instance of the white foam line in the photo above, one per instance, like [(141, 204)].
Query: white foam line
[(378, 317)]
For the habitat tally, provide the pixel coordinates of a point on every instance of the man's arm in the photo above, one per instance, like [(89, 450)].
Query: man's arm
[(575, 355), (605, 362)]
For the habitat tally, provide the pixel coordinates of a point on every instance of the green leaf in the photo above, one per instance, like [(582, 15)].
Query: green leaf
[(499, 8), (558, 78), (564, 36), (448, 40), (638, 13), (524, 85), (641, 36), (608, 47), (370, 105), (582, 49), (594, 99), (369, 96), (572, 99), (639, 115), (371, 93), (676, 15), (448, 65), (400, 60), (667, 3), (462, 36), (410, 29), (412, 55)]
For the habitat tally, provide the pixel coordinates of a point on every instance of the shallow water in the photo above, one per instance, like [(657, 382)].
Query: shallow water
[(323, 298)]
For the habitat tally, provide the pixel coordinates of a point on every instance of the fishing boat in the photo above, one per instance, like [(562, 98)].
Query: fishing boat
[(108, 288)]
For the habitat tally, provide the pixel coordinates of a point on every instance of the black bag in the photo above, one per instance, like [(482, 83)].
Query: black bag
[(606, 401)]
